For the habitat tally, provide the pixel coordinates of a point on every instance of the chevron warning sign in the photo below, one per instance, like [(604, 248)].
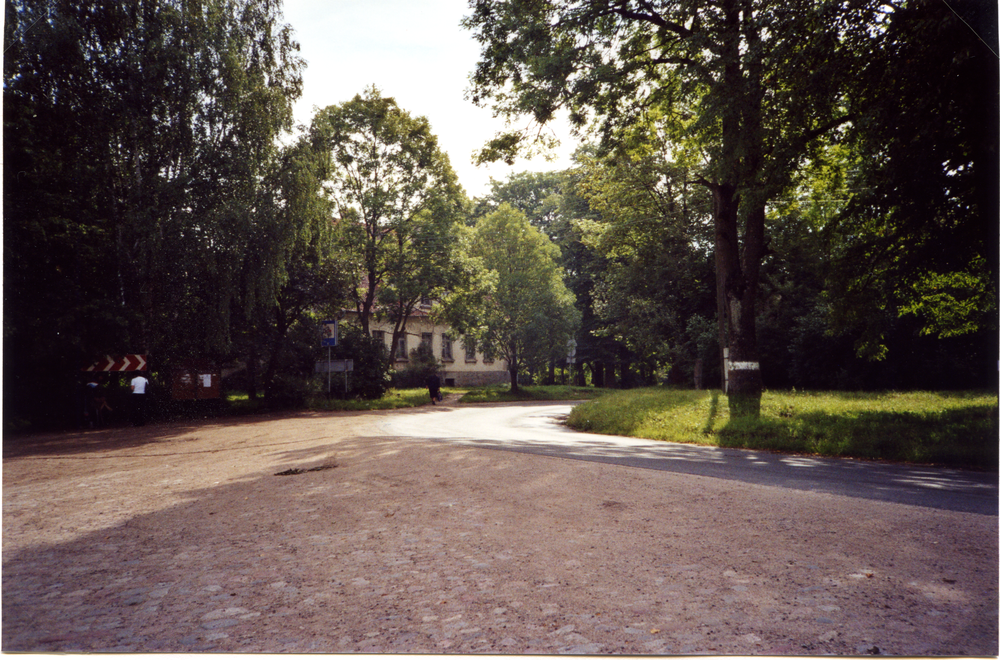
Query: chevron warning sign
[(123, 363)]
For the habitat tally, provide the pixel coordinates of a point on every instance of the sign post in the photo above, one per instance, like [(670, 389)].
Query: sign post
[(346, 366), (571, 357), (329, 339)]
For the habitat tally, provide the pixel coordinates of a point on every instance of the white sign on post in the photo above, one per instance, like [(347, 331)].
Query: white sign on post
[(334, 366)]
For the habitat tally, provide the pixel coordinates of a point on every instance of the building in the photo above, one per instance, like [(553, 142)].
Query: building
[(464, 366)]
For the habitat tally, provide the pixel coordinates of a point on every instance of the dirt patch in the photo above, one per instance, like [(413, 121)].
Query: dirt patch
[(178, 538), (292, 471)]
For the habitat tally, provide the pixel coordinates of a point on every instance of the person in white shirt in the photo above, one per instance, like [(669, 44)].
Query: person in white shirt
[(139, 384)]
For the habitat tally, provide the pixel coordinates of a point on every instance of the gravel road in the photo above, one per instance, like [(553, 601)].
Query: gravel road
[(319, 533)]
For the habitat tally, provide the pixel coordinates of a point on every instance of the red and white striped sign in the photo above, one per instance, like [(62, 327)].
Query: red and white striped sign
[(124, 363)]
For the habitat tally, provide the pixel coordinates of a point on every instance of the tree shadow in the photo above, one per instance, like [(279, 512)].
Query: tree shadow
[(713, 412), (955, 438), (98, 441)]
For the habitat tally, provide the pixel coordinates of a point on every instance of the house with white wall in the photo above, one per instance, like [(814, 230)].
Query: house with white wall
[(463, 364)]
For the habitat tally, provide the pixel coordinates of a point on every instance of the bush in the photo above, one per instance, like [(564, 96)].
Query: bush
[(370, 378), (422, 365)]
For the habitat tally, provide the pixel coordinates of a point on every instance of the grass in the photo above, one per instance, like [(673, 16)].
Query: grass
[(502, 393), (953, 428), (391, 400), (239, 403)]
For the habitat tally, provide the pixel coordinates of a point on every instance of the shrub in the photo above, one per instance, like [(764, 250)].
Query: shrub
[(421, 366), (370, 378)]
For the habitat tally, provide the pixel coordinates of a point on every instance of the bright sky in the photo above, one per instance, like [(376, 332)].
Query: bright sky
[(416, 52)]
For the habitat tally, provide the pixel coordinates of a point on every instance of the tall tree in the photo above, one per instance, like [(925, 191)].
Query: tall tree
[(919, 236), (536, 194), (398, 203), (293, 244), (655, 234), (525, 309), (752, 82), (136, 134)]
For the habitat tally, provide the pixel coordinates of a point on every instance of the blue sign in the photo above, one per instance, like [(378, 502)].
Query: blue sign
[(329, 334)]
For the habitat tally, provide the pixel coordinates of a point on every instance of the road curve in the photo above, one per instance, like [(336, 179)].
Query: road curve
[(537, 429)]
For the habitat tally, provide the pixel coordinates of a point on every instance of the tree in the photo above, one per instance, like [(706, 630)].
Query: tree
[(655, 236), (536, 194), (752, 83), (294, 244), (136, 136), (522, 309), (919, 236), (398, 205)]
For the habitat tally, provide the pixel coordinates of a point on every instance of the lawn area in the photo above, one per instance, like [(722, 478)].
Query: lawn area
[(502, 393), (408, 398), (945, 428), (419, 397), (239, 403)]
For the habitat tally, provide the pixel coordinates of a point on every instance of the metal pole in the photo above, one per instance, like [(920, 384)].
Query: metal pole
[(328, 373)]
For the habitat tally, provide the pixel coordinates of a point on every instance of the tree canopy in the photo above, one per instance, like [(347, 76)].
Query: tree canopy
[(137, 134), (754, 88), (397, 201), (519, 309)]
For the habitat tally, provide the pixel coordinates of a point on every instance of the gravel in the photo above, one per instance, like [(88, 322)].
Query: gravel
[(312, 533)]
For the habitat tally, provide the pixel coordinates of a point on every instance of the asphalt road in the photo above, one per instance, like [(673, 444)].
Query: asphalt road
[(537, 429)]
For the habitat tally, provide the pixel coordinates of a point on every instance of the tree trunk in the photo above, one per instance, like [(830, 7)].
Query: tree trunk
[(738, 267), (281, 329), (597, 373), (512, 367), (252, 369)]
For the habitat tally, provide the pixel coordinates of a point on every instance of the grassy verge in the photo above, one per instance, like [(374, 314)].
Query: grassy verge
[(408, 398), (239, 403), (502, 393), (953, 428)]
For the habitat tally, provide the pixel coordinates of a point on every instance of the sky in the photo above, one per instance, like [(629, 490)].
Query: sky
[(416, 52)]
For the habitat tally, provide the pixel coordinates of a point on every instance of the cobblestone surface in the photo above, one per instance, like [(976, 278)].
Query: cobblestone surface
[(182, 538)]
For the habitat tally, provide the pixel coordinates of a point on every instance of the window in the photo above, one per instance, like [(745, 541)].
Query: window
[(401, 353), (427, 341), (379, 335), (446, 348), (425, 300), (470, 349)]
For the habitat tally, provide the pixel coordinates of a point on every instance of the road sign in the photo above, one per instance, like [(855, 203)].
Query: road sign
[(334, 366), (124, 363), (329, 334)]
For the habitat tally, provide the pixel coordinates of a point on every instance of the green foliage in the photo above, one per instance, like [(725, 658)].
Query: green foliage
[(747, 87), (301, 278), (398, 203), (136, 136), (952, 304), (919, 235), (521, 312), (958, 429), (539, 195), (653, 238), (421, 365), (370, 379)]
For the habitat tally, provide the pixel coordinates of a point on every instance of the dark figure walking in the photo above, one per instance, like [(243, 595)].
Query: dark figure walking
[(434, 387)]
